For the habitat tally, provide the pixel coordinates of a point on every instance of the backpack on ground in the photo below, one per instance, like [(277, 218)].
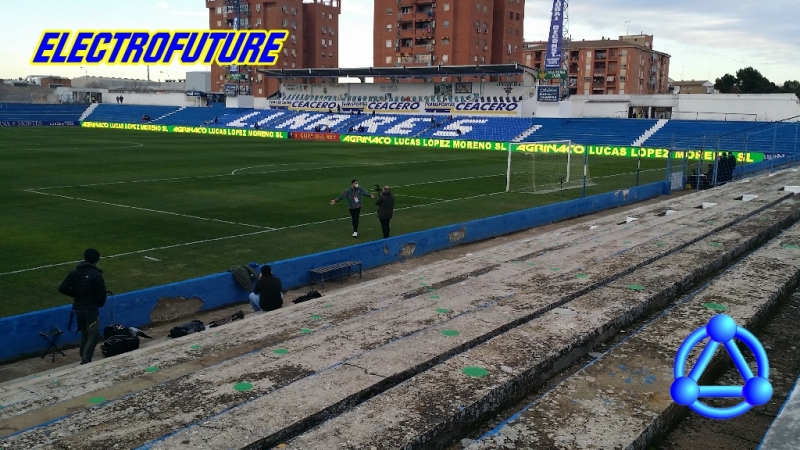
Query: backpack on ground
[(115, 330), (217, 322), (310, 296), (116, 345), (186, 329)]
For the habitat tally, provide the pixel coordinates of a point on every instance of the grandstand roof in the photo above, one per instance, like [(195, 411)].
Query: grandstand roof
[(400, 72)]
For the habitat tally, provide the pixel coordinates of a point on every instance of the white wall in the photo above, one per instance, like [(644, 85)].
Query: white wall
[(240, 101), (172, 99), (614, 106), (767, 107)]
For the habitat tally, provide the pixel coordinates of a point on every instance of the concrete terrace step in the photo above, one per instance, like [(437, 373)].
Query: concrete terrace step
[(784, 432), (227, 366), (434, 406), (378, 366), (129, 366), (622, 399)]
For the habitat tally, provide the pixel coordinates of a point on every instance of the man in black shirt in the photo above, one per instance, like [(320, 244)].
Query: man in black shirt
[(86, 285), (385, 209), (268, 292)]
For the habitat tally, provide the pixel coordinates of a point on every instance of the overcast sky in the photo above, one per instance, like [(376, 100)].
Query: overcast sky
[(705, 38)]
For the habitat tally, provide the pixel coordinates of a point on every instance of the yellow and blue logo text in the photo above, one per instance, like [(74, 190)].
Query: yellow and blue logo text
[(249, 48)]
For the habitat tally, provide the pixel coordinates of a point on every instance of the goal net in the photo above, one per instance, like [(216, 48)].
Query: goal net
[(550, 167)]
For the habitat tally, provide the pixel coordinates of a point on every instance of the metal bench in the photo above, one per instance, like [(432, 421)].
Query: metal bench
[(321, 271)]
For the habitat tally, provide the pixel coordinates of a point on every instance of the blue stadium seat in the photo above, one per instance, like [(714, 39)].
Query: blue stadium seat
[(27, 111), (737, 136), (106, 112), (590, 131)]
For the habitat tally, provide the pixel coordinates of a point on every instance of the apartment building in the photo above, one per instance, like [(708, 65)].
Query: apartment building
[(628, 65), (313, 27), (447, 32)]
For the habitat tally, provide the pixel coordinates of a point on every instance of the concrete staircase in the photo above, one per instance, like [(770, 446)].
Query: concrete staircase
[(660, 124), (526, 133), (169, 114), (88, 111)]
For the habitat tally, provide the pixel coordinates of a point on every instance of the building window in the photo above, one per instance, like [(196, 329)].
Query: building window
[(219, 23), (445, 58), (285, 22), (622, 79), (294, 65), (623, 66), (220, 77), (476, 58), (484, 8), (330, 31), (330, 55), (258, 7), (478, 7), (294, 53), (294, 39), (294, 10), (323, 43), (516, 49), (330, 16), (330, 42), (219, 10), (445, 23), (388, 60), (388, 27), (511, 15), (485, 26), (517, 14), (324, 29), (446, 41), (478, 25), (323, 55), (388, 43), (323, 15), (446, 7), (516, 32), (623, 53), (285, 51)]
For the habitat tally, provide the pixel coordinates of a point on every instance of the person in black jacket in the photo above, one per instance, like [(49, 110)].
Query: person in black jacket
[(385, 204), (86, 285), (268, 292)]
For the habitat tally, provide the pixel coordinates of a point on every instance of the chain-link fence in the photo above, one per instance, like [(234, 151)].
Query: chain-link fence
[(702, 161)]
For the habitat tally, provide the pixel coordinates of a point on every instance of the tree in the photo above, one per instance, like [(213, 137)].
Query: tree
[(727, 84), (752, 82)]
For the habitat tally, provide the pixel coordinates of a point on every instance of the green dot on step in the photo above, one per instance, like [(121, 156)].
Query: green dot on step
[(244, 386), (715, 244), (715, 306), (626, 242), (421, 278), (435, 297), (97, 400), (442, 310), (581, 275), (555, 269), (636, 287), (328, 306), (306, 330), (315, 317), (195, 347), (151, 369), (791, 246), (450, 333), (531, 264), (475, 372), (660, 244), (280, 351), (431, 290)]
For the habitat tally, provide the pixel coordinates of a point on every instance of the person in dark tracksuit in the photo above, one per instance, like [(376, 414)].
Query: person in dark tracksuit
[(385, 209), (86, 285), (353, 194), (731, 165), (267, 294)]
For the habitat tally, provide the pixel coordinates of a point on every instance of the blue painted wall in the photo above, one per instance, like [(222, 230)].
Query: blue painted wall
[(20, 334)]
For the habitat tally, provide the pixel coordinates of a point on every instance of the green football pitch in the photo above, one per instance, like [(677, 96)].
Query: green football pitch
[(163, 207)]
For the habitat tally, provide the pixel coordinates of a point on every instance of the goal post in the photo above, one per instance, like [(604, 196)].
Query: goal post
[(549, 167)]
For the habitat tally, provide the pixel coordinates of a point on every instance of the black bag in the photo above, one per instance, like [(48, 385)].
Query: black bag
[(310, 296), (224, 320), (187, 328), (116, 330), (116, 345)]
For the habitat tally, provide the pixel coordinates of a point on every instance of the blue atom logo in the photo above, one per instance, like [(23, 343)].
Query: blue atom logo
[(757, 390)]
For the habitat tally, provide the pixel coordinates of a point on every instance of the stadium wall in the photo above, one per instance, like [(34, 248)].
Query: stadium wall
[(20, 334), (494, 89)]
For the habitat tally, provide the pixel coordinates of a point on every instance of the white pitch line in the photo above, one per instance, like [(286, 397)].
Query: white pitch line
[(451, 179), (421, 198), (149, 210), (151, 258), (254, 233), (199, 177)]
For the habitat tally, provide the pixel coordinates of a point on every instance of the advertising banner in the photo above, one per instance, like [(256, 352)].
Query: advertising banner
[(189, 130), (553, 58), (420, 142), (39, 123), (314, 136), (632, 152), (548, 93)]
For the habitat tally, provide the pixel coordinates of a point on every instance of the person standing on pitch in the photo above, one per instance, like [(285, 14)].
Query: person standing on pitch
[(385, 209), (86, 285), (353, 194)]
